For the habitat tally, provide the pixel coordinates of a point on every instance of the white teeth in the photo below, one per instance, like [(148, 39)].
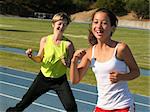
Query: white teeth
[(100, 31)]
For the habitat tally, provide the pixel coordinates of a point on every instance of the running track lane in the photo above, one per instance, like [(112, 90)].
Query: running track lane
[(14, 83)]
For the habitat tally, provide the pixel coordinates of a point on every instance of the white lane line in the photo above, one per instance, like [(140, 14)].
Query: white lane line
[(84, 91), (29, 79), (34, 103), (142, 104), (15, 69), (13, 75), (48, 93)]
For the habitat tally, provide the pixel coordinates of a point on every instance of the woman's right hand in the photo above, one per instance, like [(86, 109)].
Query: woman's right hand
[(79, 54), (29, 52)]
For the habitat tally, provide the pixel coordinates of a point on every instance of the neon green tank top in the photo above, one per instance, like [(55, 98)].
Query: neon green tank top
[(51, 64)]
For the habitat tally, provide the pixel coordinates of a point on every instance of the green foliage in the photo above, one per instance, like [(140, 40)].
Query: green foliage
[(16, 7), (117, 6), (140, 7), (28, 7), (81, 4)]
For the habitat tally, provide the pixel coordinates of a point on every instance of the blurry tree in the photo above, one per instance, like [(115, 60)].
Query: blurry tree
[(28, 7), (82, 4), (139, 7), (16, 7), (117, 6), (62, 5)]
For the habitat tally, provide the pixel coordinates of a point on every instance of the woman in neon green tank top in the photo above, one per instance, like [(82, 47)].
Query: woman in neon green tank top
[(55, 53)]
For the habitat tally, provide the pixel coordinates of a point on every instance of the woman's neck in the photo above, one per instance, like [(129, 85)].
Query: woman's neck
[(110, 43), (57, 39), (57, 36)]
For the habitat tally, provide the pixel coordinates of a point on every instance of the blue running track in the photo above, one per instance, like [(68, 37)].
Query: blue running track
[(14, 84)]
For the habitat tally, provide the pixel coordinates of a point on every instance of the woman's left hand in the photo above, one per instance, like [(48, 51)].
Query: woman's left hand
[(114, 77)]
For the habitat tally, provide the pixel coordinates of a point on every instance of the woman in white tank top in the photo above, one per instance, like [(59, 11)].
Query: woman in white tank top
[(112, 63)]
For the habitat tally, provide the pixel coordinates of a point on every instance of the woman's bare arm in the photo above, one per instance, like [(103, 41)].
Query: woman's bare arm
[(124, 53), (38, 58), (77, 71)]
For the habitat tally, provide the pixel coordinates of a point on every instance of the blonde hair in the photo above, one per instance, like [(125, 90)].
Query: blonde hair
[(61, 16)]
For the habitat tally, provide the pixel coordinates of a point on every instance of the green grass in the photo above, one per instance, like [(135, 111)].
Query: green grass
[(18, 61), (26, 33)]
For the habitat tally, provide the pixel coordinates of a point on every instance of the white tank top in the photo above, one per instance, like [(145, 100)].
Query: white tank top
[(111, 96)]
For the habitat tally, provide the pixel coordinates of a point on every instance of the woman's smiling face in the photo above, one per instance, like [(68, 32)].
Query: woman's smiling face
[(60, 26), (101, 26)]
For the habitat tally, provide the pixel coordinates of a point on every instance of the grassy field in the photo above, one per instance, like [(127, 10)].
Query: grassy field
[(24, 33)]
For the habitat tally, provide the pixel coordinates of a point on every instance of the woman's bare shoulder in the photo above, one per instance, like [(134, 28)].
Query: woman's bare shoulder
[(44, 39), (122, 50), (122, 46)]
